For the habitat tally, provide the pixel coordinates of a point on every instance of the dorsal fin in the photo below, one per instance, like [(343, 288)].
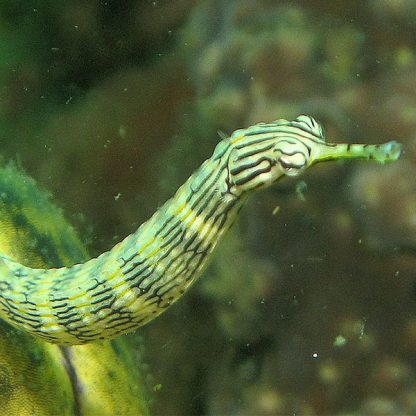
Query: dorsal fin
[(222, 135)]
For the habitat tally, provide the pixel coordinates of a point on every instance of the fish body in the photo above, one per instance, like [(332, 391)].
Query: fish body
[(149, 270)]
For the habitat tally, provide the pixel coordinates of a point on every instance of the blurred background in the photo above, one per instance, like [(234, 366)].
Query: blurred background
[(309, 306)]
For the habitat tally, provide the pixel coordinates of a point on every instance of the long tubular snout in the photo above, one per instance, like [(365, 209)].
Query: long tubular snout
[(382, 153)]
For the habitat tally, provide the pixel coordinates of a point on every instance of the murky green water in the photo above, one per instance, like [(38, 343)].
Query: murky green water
[(309, 306)]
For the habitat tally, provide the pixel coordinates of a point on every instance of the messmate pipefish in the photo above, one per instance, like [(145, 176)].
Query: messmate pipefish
[(140, 277)]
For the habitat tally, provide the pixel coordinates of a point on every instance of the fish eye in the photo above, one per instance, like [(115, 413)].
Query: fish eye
[(293, 164)]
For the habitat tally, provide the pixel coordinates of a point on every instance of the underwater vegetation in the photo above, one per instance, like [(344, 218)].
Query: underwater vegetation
[(38, 378), (309, 305)]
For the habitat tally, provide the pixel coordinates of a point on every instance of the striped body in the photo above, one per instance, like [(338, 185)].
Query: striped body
[(140, 277)]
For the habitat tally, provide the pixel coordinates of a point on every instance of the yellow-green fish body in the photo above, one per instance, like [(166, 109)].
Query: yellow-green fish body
[(144, 274)]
